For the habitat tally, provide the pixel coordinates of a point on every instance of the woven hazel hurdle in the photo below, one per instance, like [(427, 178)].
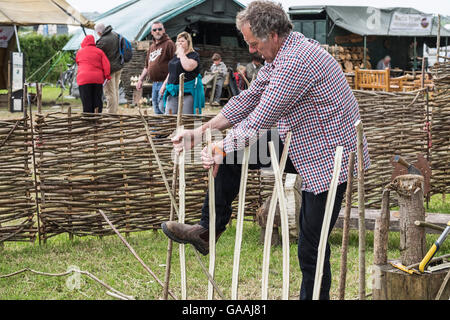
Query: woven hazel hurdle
[(393, 124), (87, 162), (17, 205), (440, 133)]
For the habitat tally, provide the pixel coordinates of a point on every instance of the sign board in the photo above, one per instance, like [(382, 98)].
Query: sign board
[(17, 80), (421, 23)]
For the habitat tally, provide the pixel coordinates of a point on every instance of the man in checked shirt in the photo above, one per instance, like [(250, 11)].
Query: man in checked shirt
[(301, 89)]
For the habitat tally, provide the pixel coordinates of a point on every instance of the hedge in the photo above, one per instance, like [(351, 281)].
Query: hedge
[(38, 49)]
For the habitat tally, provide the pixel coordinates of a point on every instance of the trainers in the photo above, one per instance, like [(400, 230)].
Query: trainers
[(215, 103), (185, 233)]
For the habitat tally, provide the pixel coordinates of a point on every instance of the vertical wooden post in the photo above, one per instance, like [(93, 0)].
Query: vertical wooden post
[(361, 212), (212, 218), (283, 218), (438, 38), (239, 224), (69, 146), (329, 205), (381, 232), (181, 216), (270, 222), (174, 186), (125, 177), (346, 228)]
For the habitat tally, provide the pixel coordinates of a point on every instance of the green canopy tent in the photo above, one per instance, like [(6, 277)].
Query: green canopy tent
[(134, 19)]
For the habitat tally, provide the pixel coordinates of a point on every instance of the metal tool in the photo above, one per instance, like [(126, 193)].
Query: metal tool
[(410, 167), (404, 268), (434, 248), (401, 167)]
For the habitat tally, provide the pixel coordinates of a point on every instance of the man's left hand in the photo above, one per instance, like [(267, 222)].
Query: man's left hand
[(215, 160)]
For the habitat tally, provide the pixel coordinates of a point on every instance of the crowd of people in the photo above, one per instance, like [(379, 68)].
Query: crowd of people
[(100, 67)]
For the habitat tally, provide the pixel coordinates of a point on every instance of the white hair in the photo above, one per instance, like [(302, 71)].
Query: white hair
[(100, 28)]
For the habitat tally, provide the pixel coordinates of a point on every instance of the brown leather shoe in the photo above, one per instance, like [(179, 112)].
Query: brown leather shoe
[(185, 233)]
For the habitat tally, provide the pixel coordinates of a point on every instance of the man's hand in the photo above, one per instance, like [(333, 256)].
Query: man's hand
[(215, 160), (186, 139), (139, 84), (163, 88)]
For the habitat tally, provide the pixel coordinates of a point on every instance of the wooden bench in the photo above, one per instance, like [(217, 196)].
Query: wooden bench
[(377, 80)]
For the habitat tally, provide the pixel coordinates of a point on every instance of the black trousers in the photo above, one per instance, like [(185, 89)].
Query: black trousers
[(312, 211), (91, 97)]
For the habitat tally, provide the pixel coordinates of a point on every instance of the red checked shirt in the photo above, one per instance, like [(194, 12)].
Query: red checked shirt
[(303, 91)]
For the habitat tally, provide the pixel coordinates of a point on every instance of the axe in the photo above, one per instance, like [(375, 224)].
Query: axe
[(410, 167)]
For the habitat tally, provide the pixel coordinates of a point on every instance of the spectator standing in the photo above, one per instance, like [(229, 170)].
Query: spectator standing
[(221, 69), (186, 61), (109, 43), (254, 66), (157, 64), (93, 71)]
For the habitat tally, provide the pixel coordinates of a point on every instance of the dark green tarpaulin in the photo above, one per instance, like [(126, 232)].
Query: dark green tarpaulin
[(367, 21)]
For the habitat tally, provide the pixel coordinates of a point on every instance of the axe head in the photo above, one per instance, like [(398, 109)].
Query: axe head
[(420, 167)]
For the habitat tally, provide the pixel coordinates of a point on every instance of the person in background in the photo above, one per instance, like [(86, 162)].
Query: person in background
[(239, 76), (93, 71), (109, 43), (254, 66), (157, 64), (384, 63), (221, 69), (186, 61)]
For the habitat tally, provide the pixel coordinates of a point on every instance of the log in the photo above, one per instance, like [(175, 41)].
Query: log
[(409, 189), (380, 242), (390, 283)]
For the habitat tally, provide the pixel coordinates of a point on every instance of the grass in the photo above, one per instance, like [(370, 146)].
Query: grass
[(110, 261)]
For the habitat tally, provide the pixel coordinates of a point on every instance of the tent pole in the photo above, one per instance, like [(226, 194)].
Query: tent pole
[(82, 28), (415, 56), (365, 52), (438, 40), (17, 38)]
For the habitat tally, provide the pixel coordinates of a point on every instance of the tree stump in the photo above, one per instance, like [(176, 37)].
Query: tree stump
[(389, 283), (409, 188)]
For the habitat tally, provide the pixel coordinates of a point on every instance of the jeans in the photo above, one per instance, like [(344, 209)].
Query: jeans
[(157, 103), (172, 104), (312, 211), (218, 92)]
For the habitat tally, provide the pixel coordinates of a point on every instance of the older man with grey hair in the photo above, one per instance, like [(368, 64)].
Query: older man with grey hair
[(109, 43), (301, 89)]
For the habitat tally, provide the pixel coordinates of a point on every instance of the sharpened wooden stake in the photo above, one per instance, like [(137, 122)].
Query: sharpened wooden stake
[(329, 205), (361, 212), (269, 224), (239, 224), (346, 228), (212, 218), (181, 216), (283, 218), (125, 242), (174, 190)]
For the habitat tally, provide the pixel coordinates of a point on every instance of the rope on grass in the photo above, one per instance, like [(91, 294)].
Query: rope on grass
[(111, 291)]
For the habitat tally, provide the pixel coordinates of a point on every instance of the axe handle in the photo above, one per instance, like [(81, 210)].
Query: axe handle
[(402, 161)]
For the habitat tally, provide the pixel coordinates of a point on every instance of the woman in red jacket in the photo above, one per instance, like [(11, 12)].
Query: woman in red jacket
[(93, 72)]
